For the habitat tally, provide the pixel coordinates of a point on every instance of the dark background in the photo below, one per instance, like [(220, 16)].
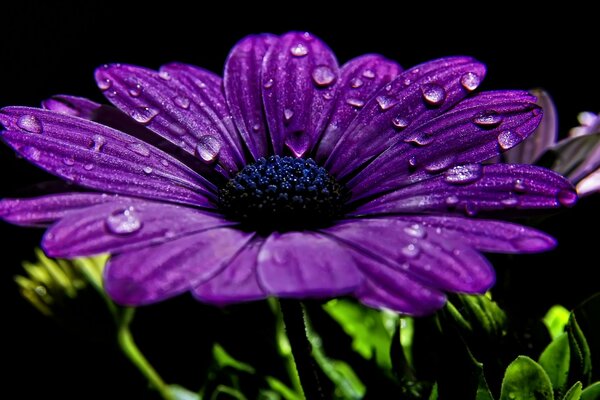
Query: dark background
[(46, 50)]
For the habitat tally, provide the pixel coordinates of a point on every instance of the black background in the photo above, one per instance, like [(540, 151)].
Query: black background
[(46, 50)]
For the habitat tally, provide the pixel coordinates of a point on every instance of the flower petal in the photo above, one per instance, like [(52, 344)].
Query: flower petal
[(243, 89), (99, 157), (72, 105), (299, 73), (305, 264), (474, 188), (237, 281), (156, 273), (123, 225), (476, 130), (434, 259), (192, 117), (360, 79), (590, 184), (413, 98), (40, 211)]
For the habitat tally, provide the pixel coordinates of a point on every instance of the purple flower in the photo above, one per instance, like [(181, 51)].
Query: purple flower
[(289, 177)]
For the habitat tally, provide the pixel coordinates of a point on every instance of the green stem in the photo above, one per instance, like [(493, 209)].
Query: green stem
[(134, 354)]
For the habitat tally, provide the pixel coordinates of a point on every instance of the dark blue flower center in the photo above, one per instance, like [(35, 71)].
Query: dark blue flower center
[(283, 193)]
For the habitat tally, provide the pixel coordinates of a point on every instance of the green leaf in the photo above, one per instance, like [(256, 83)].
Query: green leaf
[(434, 392), (224, 360), (591, 392), (371, 330), (574, 393), (181, 393), (227, 393), (480, 314), (581, 360), (280, 388), (525, 379), (555, 361), (556, 320)]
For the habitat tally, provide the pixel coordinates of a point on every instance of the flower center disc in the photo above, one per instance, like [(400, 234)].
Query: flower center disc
[(283, 193)]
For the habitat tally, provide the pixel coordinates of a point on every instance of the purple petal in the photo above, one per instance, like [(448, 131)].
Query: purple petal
[(360, 79), (299, 74), (434, 259), (542, 138), (243, 90), (413, 98), (474, 188), (590, 184), (99, 157), (72, 105), (306, 264), (124, 225), (192, 117), (165, 270), (41, 211), (477, 129), (237, 282)]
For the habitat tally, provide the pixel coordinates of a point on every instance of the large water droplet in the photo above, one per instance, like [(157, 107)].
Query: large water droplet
[(323, 75), (487, 119), (441, 164), (400, 122), (355, 102), (139, 148), (136, 90), (288, 114), (182, 102), (463, 174), (509, 139), (98, 142), (143, 115), (566, 197), (104, 84), (123, 222), (385, 103), (208, 149), (299, 50), (367, 73), (411, 250), (470, 81), (433, 94), (32, 153), (355, 83), (416, 231), (30, 123)]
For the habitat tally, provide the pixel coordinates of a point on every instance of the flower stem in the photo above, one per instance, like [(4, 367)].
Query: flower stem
[(293, 317), (134, 354)]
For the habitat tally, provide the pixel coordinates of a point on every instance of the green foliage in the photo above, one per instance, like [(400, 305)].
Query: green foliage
[(555, 360), (580, 368), (526, 380), (556, 320), (592, 392), (574, 393)]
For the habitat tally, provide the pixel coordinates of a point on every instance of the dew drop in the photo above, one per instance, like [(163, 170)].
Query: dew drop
[(32, 153), (88, 167), (388, 88), (136, 90), (256, 127), (123, 222), (355, 102), (143, 115), (139, 148), (471, 209), (510, 201), (164, 75), (268, 84), (566, 197), (411, 250), (69, 161), (440, 164), (400, 122), (385, 103), (104, 84), (355, 83), (419, 138), (147, 170), (199, 84), (519, 185), (164, 162), (207, 149), (182, 102), (509, 139), (433, 94), (368, 74), (407, 82), (412, 162), (30, 123), (323, 75), (288, 114), (463, 174), (416, 231), (451, 201), (487, 119), (470, 81), (98, 142), (328, 95), (299, 50)]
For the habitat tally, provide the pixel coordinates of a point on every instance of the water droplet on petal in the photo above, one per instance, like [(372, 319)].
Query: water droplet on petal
[(470, 81), (412, 162), (566, 197), (88, 167), (487, 119), (400, 122), (32, 153), (323, 75), (440, 164), (520, 185), (411, 250), (182, 102), (328, 95), (288, 114), (69, 161), (208, 149), (463, 174), (416, 231), (385, 103), (143, 115), (200, 84), (164, 162), (355, 83), (256, 127), (355, 102), (139, 148), (104, 84), (123, 222), (136, 90), (451, 201), (433, 94), (30, 123), (471, 209), (368, 74), (299, 50), (147, 170), (510, 201), (98, 141), (388, 88), (164, 75), (509, 139), (268, 83), (419, 138)]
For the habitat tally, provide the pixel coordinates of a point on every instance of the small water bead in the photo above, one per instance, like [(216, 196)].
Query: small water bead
[(200, 84), (208, 149), (88, 167), (288, 114), (368, 74), (328, 95), (566, 197), (123, 222), (441, 164), (104, 84), (136, 90), (299, 50), (400, 122), (323, 75), (268, 83), (388, 88), (143, 115), (416, 231), (182, 102), (98, 141), (470, 81), (471, 209), (509, 139), (451, 201), (419, 138), (433, 94), (463, 174), (139, 148), (69, 161), (385, 103), (355, 83), (30, 123), (256, 127), (164, 162), (510, 201), (164, 75), (412, 162), (147, 170), (487, 119), (411, 250), (519, 185), (355, 102)]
